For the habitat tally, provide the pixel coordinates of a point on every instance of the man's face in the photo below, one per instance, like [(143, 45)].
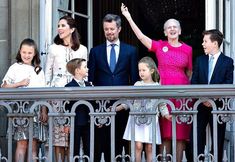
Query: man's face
[(111, 31)]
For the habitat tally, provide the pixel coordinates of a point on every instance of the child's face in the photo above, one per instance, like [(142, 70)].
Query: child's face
[(209, 46), (83, 70), (145, 72), (27, 54)]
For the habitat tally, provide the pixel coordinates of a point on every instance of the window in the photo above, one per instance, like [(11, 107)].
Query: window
[(81, 11)]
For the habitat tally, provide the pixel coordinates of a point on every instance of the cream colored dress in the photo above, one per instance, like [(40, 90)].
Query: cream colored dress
[(57, 58), (143, 132), (57, 76)]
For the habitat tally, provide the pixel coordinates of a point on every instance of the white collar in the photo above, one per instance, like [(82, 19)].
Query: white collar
[(79, 81), (216, 56), (108, 43)]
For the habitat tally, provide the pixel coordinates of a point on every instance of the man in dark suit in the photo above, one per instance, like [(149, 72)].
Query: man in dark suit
[(212, 68), (112, 63)]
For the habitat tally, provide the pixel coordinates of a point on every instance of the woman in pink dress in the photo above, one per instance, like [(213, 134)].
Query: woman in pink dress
[(175, 68)]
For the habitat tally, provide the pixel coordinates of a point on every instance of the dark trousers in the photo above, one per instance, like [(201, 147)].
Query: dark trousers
[(103, 134), (82, 132), (102, 143), (205, 117)]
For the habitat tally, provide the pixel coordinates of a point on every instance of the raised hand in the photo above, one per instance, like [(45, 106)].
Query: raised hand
[(125, 12)]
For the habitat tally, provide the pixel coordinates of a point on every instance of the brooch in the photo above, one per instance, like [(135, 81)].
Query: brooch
[(165, 49)]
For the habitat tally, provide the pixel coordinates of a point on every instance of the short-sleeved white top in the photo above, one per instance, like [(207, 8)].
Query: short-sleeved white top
[(19, 71)]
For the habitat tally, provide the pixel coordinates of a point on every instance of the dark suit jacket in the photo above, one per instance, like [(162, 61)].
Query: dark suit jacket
[(222, 74), (82, 111), (126, 69)]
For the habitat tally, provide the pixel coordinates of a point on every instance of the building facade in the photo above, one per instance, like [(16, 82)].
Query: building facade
[(38, 19)]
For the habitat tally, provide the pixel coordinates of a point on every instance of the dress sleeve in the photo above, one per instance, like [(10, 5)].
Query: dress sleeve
[(85, 53), (42, 78), (9, 77), (49, 67), (81, 52), (155, 45), (190, 59)]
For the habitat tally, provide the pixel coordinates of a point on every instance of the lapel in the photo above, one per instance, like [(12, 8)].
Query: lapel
[(104, 56), (74, 83), (120, 56), (205, 64)]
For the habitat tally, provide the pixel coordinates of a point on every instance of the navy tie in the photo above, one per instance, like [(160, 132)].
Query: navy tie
[(210, 68), (112, 62)]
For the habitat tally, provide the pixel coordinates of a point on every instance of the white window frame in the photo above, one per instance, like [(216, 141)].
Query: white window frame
[(88, 16), (49, 16)]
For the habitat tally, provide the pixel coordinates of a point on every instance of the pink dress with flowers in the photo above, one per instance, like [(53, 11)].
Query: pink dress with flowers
[(172, 64)]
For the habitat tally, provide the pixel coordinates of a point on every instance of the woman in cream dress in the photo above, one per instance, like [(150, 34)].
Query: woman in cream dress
[(66, 47)]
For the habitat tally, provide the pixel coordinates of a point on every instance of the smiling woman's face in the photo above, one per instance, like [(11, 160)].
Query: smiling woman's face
[(64, 29), (172, 29)]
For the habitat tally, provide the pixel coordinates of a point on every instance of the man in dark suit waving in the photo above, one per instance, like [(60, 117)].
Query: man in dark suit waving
[(212, 68), (113, 63)]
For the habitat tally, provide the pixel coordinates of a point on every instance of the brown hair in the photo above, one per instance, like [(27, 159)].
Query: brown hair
[(74, 64), (112, 17), (215, 35), (75, 40), (36, 59), (151, 64)]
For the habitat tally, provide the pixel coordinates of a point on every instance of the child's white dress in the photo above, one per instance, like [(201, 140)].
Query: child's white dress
[(143, 132), (16, 73), (19, 71)]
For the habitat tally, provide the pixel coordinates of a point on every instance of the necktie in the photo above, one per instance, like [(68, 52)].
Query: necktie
[(112, 62), (210, 68)]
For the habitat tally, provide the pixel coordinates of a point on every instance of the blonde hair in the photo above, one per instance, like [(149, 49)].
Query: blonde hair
[(151, 65), (74, 64)]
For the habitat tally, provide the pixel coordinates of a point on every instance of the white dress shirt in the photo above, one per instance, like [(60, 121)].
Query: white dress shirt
[(116, 48)]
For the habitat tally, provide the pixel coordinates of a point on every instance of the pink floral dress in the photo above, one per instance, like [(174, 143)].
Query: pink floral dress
[(172, 64)]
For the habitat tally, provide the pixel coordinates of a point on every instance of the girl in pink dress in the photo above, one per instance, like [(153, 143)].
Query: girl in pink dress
[(175, 68)]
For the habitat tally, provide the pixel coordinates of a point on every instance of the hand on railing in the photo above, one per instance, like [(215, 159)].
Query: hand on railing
[(66, 129), (168, 117), (207, 104), (43, 115)]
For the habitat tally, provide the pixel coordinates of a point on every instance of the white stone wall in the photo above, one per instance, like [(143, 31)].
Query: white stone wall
[(24, 21), (4, 37)]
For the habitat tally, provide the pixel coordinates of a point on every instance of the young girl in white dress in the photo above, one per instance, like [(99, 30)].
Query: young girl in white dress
[(25, 73), (143, 132)]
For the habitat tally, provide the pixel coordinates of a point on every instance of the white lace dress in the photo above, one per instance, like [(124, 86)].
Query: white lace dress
[(57, 58), (57, 76), (143, 132)]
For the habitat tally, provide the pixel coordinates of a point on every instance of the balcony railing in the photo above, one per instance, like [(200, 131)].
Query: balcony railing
[(22, 103)]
